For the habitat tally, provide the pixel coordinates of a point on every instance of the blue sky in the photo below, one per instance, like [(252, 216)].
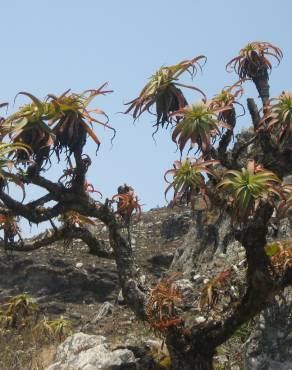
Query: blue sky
[(50, 46)]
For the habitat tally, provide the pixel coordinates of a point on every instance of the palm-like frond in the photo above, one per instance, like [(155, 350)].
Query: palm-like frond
[(199, 124), (188, 180), (164, 92), (278, 117), (253, 59), (247, 187)]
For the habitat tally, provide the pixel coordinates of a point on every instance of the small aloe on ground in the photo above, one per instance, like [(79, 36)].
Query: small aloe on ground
[(18, 309), (215, 288), (247, 187), (57, 329), (188, 180), (163, 91)]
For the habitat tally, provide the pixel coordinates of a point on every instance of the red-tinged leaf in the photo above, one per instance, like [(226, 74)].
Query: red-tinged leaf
[(4, 105), (91, 133), (169, 172), (193, 88), (232, 61)]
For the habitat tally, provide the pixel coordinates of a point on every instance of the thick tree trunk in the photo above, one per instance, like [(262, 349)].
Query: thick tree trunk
[(196, 361), (262, 85), (187, 356)]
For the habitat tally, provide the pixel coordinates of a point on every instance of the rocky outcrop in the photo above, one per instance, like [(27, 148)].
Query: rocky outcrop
[(51, 271), (270, 345), (175, 225), (90, 352), (207, 250), (203, 241)]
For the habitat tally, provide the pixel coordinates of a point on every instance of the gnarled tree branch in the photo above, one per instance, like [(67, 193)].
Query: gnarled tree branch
[(52, 236)]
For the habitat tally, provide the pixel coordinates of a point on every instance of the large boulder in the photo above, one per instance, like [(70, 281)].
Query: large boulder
[(90, 352)]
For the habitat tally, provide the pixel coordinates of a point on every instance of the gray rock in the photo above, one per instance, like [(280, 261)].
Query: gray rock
[(276, 365), (175, 225), (185, 286), (200, 319), (90, 352), (121, 299), (75, 315), (105, 309), (44, 279), (164, 259), (270, 345), (199, 244), (288, 179), (284, 229)]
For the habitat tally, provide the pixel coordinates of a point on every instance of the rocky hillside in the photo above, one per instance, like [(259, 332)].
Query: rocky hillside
[(84, 289)]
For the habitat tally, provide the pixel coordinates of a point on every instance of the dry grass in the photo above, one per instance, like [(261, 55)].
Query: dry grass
[(24, 350), (26, 343)]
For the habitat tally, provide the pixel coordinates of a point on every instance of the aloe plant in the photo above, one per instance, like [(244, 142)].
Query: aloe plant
[(278, 119), (18, 309), (6, 164), (61, 122), (59, 328), (228, 98), (253, 62), (127, 203), (200, 125), (163, 91), (188, 180), (28, 126), (254, 58), (73, 119), (247, 187)]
